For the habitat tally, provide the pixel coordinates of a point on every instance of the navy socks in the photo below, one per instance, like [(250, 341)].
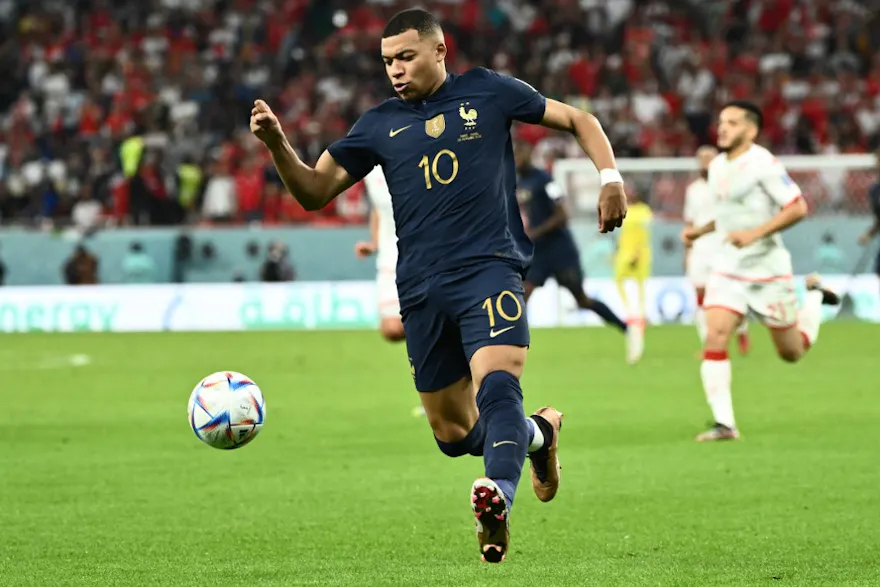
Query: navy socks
[(507, 434)]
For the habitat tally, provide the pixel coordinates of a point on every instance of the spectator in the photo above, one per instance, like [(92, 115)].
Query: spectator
[(86, 213), (81, 268), (149, 83), (277, 267), (829, 257), (220, 204), (138, 266)]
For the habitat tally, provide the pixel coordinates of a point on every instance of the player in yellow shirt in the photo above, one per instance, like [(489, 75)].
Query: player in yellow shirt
[(633, 261)]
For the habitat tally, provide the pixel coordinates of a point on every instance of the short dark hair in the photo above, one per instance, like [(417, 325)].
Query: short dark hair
[(415, 19), (753, 113)]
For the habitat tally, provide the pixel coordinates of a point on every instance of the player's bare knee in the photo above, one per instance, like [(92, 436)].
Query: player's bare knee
[(507, 358), (446, 430), (392, 329), (717, 338), (790, 355)]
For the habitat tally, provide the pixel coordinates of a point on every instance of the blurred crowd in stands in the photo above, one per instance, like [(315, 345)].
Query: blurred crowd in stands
[(136, 112)]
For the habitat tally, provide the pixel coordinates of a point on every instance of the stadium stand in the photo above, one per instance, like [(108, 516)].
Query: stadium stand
[(124, 112)]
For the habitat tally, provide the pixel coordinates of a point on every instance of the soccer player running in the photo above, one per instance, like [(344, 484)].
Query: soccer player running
[(632, 261), (556, 254), (874, 200), (444, 145), (755, 200), (383, 244), (699, 204)]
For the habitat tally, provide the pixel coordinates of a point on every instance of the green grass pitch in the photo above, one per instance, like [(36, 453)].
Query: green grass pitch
[(102, 482)]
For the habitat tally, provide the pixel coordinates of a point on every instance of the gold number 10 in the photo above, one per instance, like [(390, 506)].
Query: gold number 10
[(433, 168), (487, 305)]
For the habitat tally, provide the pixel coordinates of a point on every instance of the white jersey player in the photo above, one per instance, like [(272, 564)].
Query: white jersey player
[(755, 199), (699, 210), (383, 244)]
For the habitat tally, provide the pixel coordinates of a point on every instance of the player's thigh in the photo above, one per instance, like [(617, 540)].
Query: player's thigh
[(698, 269), (494, 327), (452, 410), (433, 343), (726, 304), (774, 303), (571, 277), (538, 273), (789, 343)]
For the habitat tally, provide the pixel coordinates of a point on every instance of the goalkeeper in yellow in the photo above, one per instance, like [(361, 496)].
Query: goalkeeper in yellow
[(632, 261)]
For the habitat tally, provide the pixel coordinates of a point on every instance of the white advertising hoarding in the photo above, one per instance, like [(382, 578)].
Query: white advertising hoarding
[(324, 305)]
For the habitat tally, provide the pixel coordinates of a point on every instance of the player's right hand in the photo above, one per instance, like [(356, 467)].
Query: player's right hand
[(612, 207), (689, 235), (265, 125), (364, 249), (864, 238)]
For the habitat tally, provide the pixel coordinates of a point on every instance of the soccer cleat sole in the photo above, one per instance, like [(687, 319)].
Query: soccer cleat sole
[(491, 515)]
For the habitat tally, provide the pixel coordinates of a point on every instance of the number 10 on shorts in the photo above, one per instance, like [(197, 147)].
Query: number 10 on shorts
[(496, 306)]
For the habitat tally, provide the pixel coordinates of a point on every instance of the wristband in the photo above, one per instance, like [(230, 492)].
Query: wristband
[(607, 176)]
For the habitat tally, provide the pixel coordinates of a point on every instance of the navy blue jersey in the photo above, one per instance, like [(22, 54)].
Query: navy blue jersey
[(539, 195), (874, 197), (448, 161)]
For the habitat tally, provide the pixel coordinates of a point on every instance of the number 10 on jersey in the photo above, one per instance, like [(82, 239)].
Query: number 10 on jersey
[(430, 168)]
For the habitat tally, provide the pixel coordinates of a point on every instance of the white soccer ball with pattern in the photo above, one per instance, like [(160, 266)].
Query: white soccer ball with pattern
[(226, 410)]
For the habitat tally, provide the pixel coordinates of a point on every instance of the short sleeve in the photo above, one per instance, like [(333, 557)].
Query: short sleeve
[(517, 99), (354, 152), (779, 185)]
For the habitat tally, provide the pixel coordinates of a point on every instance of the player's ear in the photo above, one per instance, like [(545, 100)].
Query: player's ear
[(440, 51)]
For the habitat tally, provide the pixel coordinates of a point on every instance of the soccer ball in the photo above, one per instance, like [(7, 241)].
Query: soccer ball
[(226, 410)]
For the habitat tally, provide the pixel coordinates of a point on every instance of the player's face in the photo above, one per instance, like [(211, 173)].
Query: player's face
[(734, 129), (414, 64)]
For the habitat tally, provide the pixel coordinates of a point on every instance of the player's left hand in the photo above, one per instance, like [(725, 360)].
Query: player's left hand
[(612, 207), (742, 238)]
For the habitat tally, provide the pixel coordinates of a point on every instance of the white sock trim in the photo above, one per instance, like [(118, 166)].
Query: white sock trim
[(538, 438)]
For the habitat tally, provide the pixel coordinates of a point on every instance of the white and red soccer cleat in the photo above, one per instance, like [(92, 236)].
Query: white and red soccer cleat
[(491, 515)]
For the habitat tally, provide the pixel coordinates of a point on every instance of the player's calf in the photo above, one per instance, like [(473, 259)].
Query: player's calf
[(792, 343), (453, 417)]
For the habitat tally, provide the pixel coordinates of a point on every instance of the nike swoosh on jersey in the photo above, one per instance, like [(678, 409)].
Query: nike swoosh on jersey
[(493, 333), (393, 133)]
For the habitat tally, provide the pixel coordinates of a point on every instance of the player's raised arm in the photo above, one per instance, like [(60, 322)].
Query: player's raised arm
[(314, 187), (592, 138)]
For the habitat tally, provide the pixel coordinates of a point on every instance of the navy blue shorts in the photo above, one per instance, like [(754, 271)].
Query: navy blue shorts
[(877, 264), (451, 315), (564, 268)]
